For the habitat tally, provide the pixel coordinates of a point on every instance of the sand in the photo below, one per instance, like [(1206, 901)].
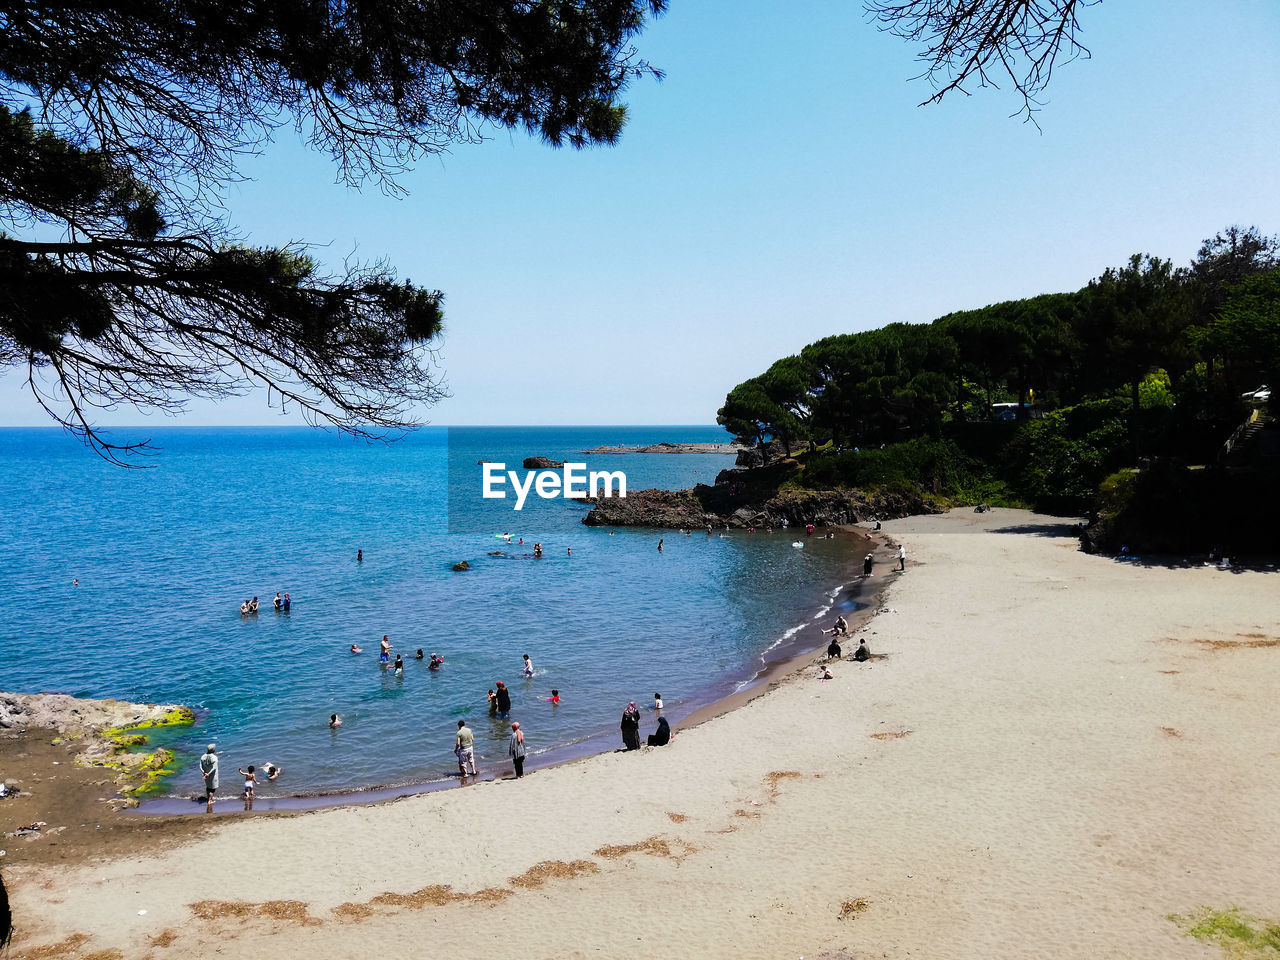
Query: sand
[(1058, 752)]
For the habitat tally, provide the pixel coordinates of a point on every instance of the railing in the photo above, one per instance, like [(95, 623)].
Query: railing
[(1235, 437)]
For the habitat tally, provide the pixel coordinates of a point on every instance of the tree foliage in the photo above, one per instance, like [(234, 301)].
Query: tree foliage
[(121, 124), (987, 42), (1123, 367)]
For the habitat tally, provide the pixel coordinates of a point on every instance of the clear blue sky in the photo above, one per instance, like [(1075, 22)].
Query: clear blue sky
[(781, 184)]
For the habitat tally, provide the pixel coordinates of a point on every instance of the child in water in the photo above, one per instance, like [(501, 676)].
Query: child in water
[(528, 666), (554, 699), (398, 666), (250, 778)]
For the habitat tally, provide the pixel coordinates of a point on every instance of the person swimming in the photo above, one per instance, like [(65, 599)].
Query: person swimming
[(418, 655), (554, 699), (355, 649), (436, 663)]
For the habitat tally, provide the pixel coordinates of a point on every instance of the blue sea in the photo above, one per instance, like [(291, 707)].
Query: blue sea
[(165, 556)]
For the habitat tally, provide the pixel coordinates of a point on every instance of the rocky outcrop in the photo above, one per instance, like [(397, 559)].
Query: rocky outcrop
[(669, 448), (105, 733), (542, 463), (752, 457), (462, 565), (724, 505)]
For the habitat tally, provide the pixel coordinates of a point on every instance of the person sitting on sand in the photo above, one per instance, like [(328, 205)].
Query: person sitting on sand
[(833, 650), (841, 627), (335, 721), (824, 673), (663, 736), (355, 649), (862, 653)]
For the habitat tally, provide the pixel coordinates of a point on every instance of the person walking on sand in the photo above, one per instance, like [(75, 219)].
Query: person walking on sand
[(209, 770), (902, 557), (630, 726), (465, 746), (515, 748)]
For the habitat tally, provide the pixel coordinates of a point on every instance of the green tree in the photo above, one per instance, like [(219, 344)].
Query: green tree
[(1135, 319), (122, 123), (750, 415), (1246, 330)]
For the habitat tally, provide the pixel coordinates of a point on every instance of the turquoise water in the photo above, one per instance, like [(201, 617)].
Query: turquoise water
[(165, 556)]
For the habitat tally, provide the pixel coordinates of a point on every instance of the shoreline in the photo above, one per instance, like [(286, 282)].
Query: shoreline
[(777, 663), (1057, 755)]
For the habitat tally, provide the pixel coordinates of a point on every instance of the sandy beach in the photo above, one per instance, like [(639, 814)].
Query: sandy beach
[(1057, 752)]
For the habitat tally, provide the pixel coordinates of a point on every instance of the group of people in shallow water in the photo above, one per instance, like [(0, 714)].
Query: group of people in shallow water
[(281, 604), (209, 773)]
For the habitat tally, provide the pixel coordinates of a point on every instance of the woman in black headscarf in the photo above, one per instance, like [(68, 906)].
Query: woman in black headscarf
[(663, 736), (631, 726)]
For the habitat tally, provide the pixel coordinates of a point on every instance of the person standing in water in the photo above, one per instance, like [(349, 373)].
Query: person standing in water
[(209, 770), (359, 556), (384, 649), (660, 544), (657, 704), (465, 745), (515, 748), (528, 666), (504, 701), (398, 666)]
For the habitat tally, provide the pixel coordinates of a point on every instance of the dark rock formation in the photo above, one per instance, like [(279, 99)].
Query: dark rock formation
[(669, 448), (542, 463), (750, 505)]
